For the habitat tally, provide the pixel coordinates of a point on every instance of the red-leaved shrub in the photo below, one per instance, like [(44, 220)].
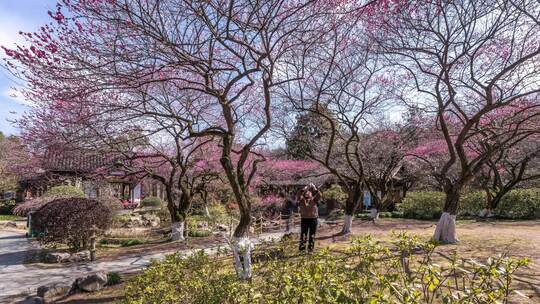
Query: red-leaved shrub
[(70, 221)]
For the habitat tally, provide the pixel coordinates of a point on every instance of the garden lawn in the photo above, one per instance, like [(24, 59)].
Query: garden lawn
[(10, 217)]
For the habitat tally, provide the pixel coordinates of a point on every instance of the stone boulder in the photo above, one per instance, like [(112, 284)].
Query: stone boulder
[(11, 225), (150, 220), (51, 292), (57, 257), (81, 256), (92, 282)]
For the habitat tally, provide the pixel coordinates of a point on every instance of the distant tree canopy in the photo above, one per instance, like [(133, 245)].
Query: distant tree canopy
[(311, 132)]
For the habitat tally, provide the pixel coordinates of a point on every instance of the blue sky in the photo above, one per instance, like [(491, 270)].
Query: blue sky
[(17, 15)]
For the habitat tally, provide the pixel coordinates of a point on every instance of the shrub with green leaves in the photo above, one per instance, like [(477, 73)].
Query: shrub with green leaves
[(199, 233), (407, 271), (336, 193), (422, 205), (7, 206), (113, 278), (520, 204), (152, 201), (63, 191), (516, 204)]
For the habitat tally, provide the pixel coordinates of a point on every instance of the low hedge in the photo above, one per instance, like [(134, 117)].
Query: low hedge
[(517, 204), (6, 206), (152, 201), (65, 191)]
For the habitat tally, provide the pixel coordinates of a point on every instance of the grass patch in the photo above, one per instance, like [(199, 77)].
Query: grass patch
[(10, 217), (131, 242)]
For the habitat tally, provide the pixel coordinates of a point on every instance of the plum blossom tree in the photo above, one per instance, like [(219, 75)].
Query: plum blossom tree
[(466, 60), (207, 66), (340, 83), (384, 151)]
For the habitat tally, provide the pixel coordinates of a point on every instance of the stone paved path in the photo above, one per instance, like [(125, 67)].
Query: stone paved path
[(18, 280)]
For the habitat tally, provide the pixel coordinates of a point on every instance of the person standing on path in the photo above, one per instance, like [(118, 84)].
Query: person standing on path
[(309, 213)]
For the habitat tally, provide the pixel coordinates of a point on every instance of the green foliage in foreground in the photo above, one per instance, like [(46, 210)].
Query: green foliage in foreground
[(367, 272)]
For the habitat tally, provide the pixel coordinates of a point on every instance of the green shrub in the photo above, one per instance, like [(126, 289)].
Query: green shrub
[(120, 219), (397, 214), (472, 203), (113, 278), (517, 204), (385, 214), (367, 272), (336, 193), (422, 205), (520, 204), (131, 242), (152, 201), (64, 192), (199, 233), (6, 206)]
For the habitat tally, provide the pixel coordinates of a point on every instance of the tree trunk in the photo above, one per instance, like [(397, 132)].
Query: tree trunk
[(374, 213), (488, 211), (207, 212), (351, 205), (376, 205), (445, 232), (241, 244), (177, 231), (178, 213)]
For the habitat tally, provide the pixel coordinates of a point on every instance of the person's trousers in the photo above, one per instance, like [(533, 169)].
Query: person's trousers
[(308, 228)]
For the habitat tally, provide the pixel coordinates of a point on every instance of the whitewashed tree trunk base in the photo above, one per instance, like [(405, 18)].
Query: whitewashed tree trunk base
[(242, 247), (177, 231), (445, 232), (486, 213), (374, 214), (347, 224), (207, 212)]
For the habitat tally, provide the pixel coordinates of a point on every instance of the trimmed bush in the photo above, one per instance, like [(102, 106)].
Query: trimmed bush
[(113, 278), (199, 233), (7, 206), (336, 193), (70, 221), (472, 203), (64, 192), (422, 205), (520, 204), (516, 204), (152, 201)]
